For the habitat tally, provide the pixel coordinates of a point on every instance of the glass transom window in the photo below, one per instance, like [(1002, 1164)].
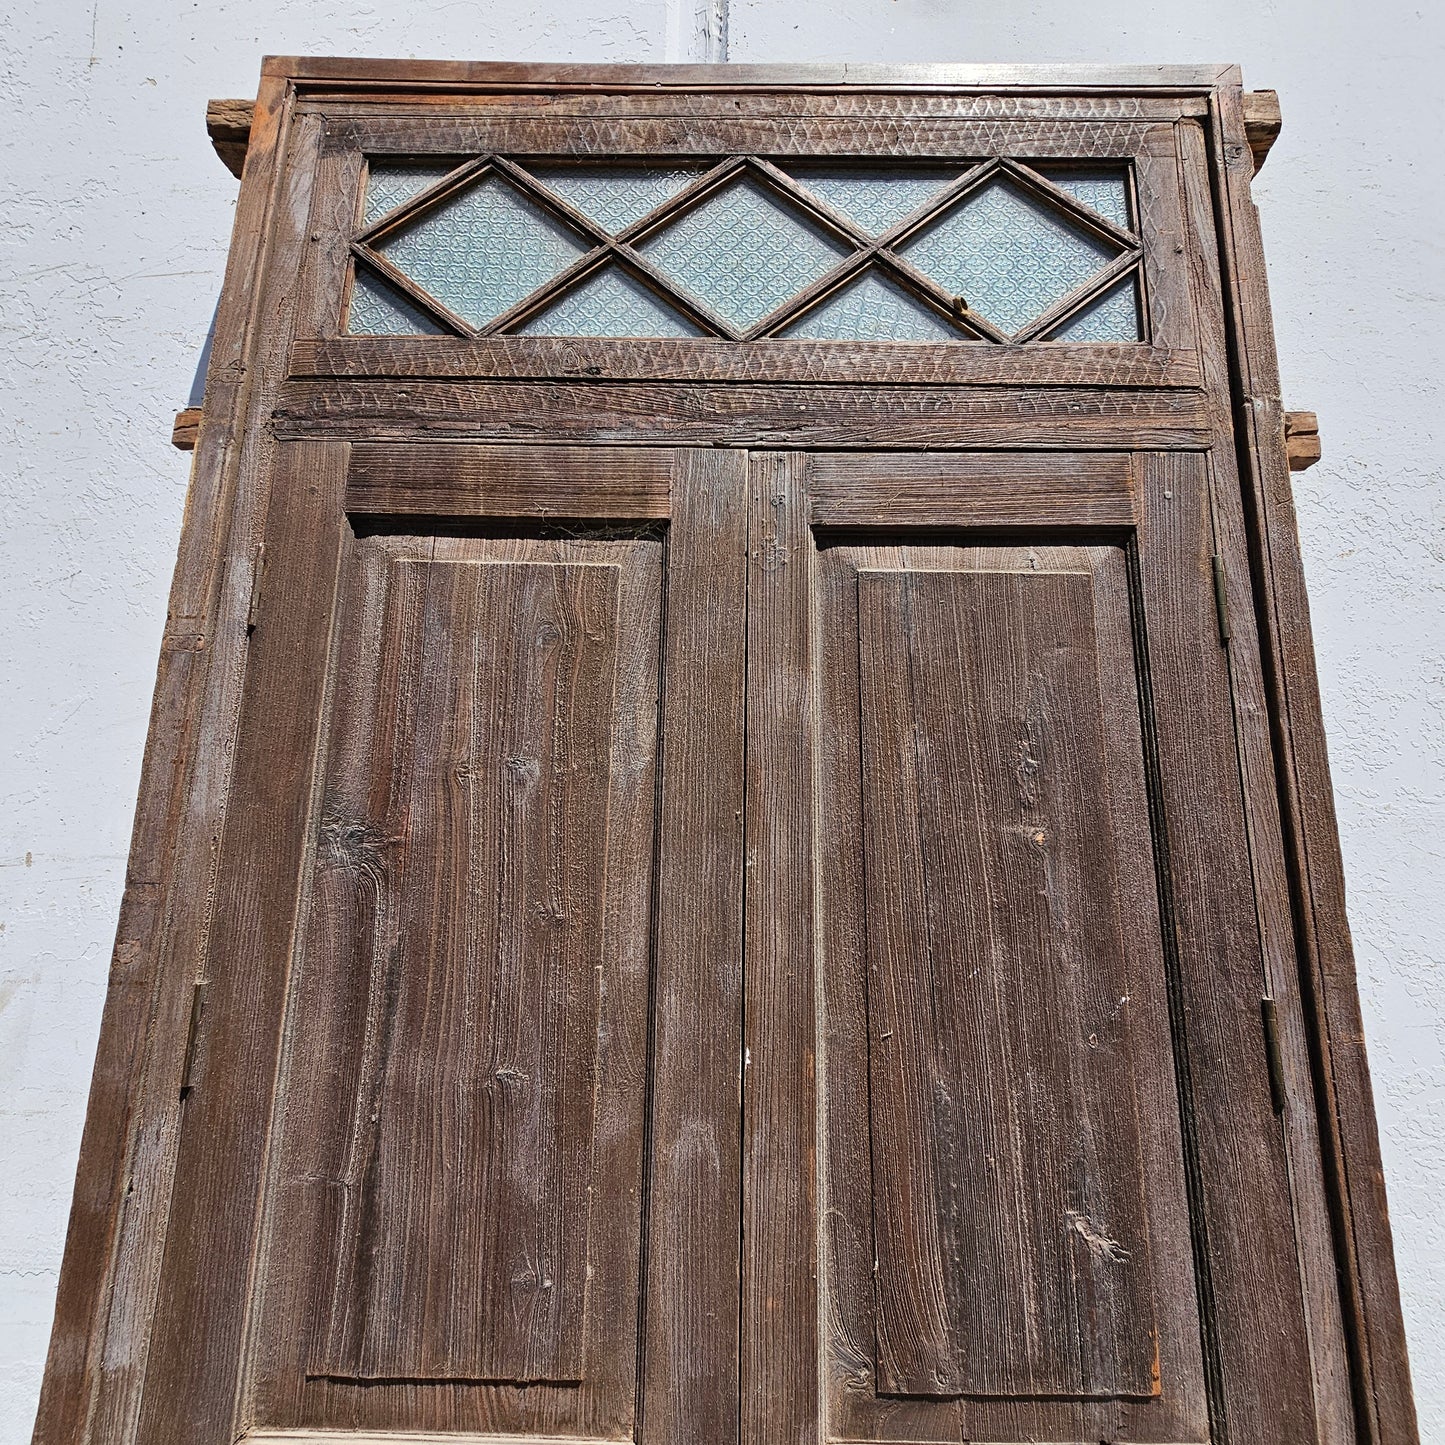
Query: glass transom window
[(748, 249)]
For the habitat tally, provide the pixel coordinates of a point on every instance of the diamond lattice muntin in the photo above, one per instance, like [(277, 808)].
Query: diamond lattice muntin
[(1114, 316), (391, 183), (608, 303), (483, 249), (379, 310), (1101, 188), (616, 196), (874, 200), (871, 308), (1010, 256), (748, 248), (743, 252)]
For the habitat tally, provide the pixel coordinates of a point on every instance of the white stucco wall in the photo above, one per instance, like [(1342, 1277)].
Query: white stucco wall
[(116, 221)]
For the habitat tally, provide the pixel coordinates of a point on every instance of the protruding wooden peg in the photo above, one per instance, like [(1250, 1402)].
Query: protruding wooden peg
[(228, 123), (1302, 439), (186, 428), (1262, 123)]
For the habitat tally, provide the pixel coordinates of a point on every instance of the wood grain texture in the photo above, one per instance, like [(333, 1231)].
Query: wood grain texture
[(780, 1321), (464, 1246), (929, 489), (856, 1409), (741, 415), (541, 483), (691, 1294), (766, 359), (117, 1223), (1008, 1215), (1380, 1364), (462, 844)]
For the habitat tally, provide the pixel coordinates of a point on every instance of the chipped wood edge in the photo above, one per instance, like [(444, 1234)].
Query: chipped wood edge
[(1369, 1287)]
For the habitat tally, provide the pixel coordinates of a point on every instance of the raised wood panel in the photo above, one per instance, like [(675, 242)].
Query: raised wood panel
[(1006, 1232), (456, 1235), (1008, 1214), (462, 1242)]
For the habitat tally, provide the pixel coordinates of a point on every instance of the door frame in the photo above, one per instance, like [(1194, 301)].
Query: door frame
[(128, 1147)]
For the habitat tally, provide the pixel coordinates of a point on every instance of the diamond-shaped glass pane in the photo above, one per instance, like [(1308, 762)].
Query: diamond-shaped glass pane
[(484, 249), (379, 310), (1113, 317), (609, 303), (389, 183), (616, 196), (872, 308), (875, 200), (743, 252), (1103, 188), (1008, 255)]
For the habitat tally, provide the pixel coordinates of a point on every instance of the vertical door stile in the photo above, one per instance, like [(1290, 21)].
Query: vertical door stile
[(780, 1182), (690, 1356)]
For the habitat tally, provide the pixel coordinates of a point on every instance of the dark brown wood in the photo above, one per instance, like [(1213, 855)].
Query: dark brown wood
[(186, 429), (1302, 440), (228, 123), (1378, 1358), (931, 489), (780, 1296), (690, 1367), (775, 416), (1008, 1197), (804, 1092), (542, 483)]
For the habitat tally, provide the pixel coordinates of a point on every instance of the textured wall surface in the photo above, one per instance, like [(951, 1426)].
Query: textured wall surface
[(112, 239)]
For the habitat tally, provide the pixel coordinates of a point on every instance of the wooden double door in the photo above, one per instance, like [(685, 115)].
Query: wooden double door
[(735, 846), (777, 941)]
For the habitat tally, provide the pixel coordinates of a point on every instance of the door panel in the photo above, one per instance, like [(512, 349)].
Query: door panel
[(1043, 1098), (1008, 1198), (459, 1211), (472, 989)]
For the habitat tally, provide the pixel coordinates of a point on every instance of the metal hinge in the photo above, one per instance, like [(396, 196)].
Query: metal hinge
[(1221, 601), (193, 1034), (258, 566), (1269, 1017)]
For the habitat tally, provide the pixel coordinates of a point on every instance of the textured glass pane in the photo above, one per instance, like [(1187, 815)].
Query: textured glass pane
[(1009, 256), (619, 195), (872, 308), (389, 183), (609, 303), (875, 200), (1113, 317), (483, 250), (378, 310), (1101, 187), (743, 252)]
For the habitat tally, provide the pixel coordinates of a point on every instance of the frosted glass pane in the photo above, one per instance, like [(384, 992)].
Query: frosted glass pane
[(389, 183), (875, 200), (1009, 256), (378, 310), (617, 196), (872, 308), (609, 303), (1113, 317), (1101, 187), (483, 250), (743, 252)]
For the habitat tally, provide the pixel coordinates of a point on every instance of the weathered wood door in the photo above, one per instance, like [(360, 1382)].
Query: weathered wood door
[(733, 846)]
